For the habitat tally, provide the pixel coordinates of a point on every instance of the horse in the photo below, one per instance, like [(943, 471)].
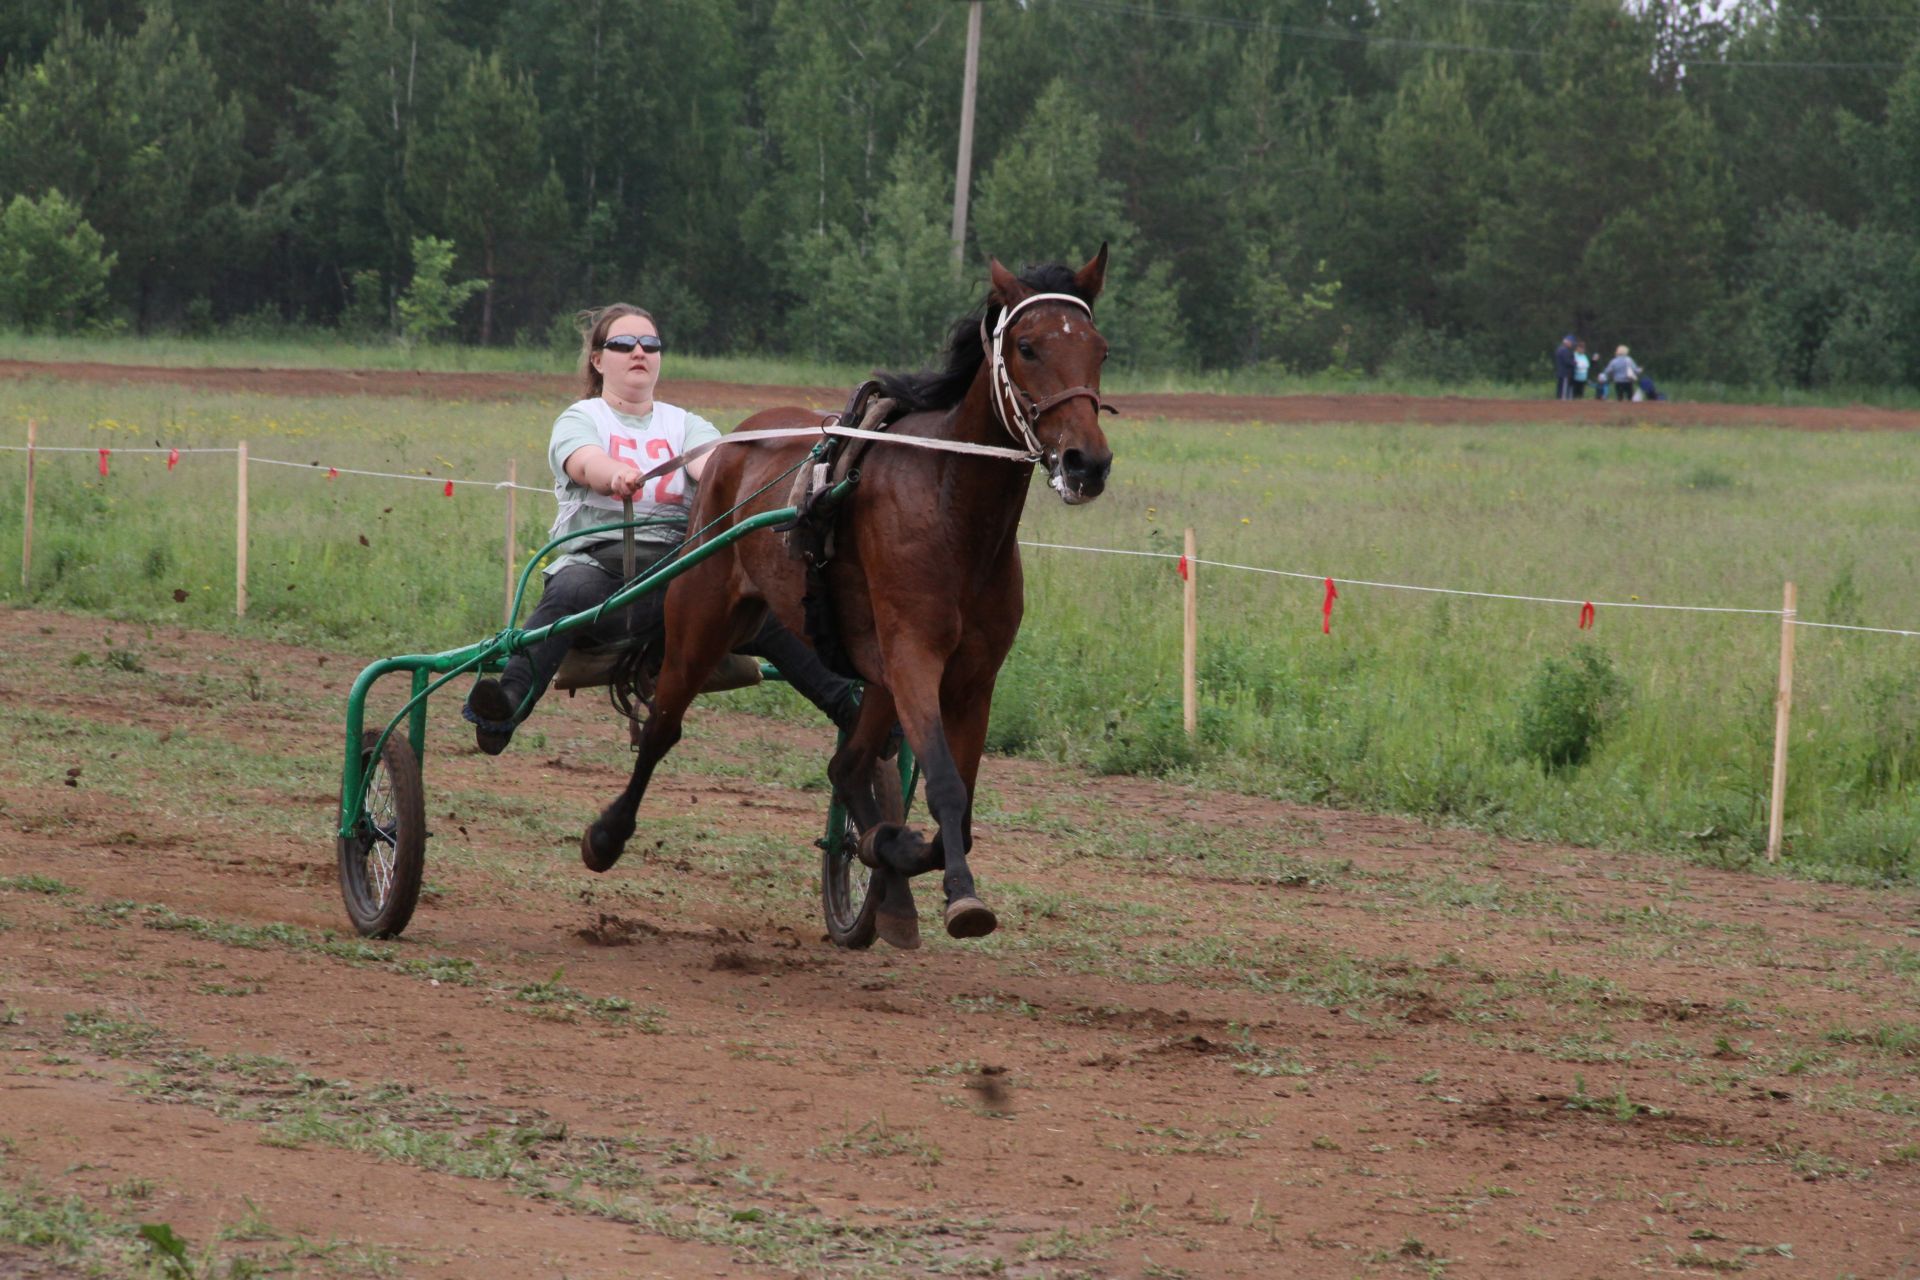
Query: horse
[(925, 586)]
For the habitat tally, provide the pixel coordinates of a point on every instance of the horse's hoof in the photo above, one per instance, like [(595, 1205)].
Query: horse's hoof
[(898, 931), (597, 858), (970, 918)]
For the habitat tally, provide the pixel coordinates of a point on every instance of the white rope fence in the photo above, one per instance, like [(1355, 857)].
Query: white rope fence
[(1457, 591), (329, 470), (1187, 564)]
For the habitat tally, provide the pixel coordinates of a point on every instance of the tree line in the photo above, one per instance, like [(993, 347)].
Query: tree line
[(1399, 186)]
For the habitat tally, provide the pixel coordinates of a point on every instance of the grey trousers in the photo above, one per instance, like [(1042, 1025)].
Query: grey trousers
[(578, 587)]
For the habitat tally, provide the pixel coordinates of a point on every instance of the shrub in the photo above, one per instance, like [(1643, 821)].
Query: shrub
[(1891, 702), (1149, 739), (428, 305), (365, 315), (1420, 354), (53, 265), (1568, 707)]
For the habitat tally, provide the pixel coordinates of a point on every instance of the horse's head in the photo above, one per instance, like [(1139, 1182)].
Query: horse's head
[(1045, 356)]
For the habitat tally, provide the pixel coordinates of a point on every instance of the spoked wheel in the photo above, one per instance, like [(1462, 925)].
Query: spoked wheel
[(382, 862), (846, 883), (847, 895)]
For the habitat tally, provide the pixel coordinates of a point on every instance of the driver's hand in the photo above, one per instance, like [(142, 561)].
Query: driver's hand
[(625, 483)]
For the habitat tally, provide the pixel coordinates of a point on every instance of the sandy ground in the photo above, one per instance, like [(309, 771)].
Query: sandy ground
[(1216, 1035), (1193, 407)]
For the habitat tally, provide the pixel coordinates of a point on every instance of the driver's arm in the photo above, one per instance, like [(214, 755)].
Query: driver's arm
[(594, 468)]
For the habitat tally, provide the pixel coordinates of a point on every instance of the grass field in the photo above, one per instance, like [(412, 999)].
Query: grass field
[(1652, 730)]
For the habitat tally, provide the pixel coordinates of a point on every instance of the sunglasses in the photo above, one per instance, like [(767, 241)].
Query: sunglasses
[(626, 342)]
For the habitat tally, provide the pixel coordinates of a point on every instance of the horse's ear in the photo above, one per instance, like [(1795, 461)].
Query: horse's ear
[(1088, 279), (1008, 289)]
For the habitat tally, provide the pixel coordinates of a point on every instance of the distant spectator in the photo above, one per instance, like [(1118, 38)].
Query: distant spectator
[(1581, 367), (1563, 369), (1624, 375), (1647, 390)]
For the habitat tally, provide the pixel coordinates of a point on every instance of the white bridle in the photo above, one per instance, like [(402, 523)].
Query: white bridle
[(1014, 408)]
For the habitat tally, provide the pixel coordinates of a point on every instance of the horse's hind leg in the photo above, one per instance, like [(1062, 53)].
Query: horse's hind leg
[(696, 641)]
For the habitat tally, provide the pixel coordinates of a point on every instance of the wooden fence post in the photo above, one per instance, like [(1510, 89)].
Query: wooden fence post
[(1189, 662), (26, 525), (240, 539), (1782, 712), (513, 477)]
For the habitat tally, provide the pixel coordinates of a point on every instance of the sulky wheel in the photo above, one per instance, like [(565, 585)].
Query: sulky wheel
[(382, 862), (847, 896), (846, 884)]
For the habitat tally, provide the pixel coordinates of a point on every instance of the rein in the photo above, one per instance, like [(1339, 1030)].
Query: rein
[(1016, 411), (831, 427)]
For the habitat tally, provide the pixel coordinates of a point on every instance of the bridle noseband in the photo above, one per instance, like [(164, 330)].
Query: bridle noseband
[(1017, 411)]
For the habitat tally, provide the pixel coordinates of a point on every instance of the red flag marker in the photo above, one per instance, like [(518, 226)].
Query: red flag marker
[(333, 473), (1326, 609), (173, 459), (103, 460), (1586, 616), (449, 488), (1181, 568)]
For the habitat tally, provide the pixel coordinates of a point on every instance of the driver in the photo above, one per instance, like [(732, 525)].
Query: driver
[(601, 446)]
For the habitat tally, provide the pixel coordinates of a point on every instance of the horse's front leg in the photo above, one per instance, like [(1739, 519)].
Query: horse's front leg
[(967, 706), (917, 690), (870, 788)]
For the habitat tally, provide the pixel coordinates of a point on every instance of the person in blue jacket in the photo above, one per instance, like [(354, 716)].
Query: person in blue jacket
[(1563, 369)]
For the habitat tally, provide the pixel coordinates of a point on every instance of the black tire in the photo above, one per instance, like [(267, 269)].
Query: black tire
[(847, 899), (382, 862)]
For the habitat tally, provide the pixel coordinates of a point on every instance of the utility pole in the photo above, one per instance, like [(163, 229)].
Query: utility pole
[(963, 168)]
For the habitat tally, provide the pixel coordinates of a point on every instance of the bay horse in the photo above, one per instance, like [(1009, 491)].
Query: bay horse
[(925, 586)]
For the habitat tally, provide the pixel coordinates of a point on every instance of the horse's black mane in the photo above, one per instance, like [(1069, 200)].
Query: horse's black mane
[(943, 388)]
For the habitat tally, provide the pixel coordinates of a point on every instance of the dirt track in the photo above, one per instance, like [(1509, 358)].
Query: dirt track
[(1191, 407), (1216, 1036)]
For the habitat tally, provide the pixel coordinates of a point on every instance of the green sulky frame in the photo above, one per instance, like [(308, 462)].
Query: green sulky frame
[(492, 654)]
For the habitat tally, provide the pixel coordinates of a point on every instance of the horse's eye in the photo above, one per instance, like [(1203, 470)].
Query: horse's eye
[(1025, 348)]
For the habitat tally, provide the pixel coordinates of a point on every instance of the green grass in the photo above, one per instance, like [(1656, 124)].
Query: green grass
[(1416, 703), (321, 349)]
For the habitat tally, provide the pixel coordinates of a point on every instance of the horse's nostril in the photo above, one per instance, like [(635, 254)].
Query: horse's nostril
[(1076, 464)]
